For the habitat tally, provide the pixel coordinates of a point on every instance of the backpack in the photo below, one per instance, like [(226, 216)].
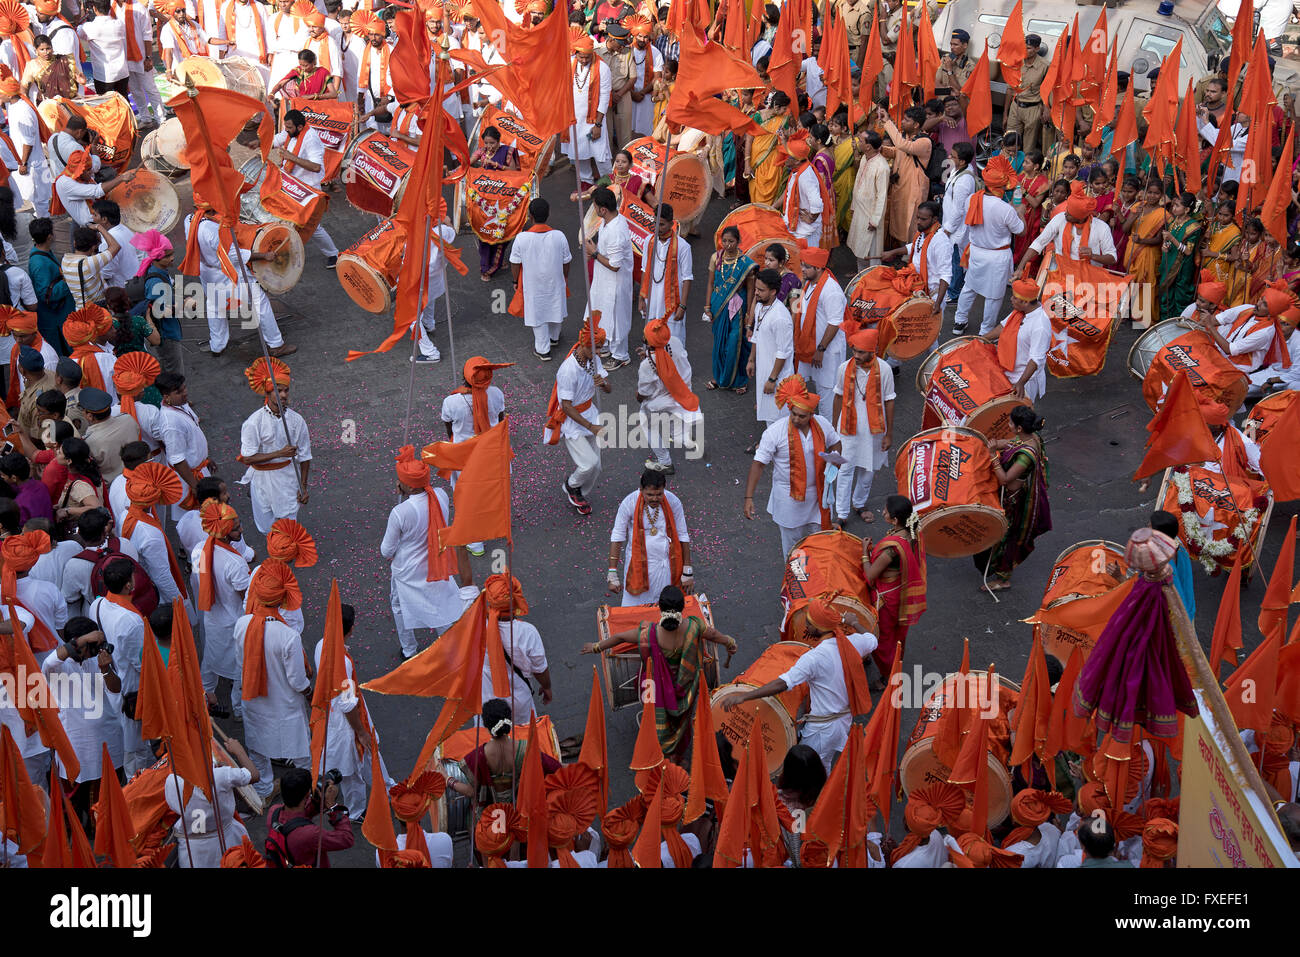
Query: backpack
[(144, 595), (938, 156), (277, 838)]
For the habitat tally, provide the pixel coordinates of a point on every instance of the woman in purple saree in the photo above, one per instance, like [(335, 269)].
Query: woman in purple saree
[(1021, 469)]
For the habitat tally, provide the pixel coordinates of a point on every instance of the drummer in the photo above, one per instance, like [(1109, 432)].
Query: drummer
[(75, 136), (302, 155), (75, 188), (866, 428), (1210, 296), (832, 670), (658, 553), (180, 37), (1022, 339), (1284, 371), (1085, 236), (1250, 335), (930, 253)]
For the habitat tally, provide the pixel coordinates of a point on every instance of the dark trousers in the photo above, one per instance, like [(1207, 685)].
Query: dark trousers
[(117, 86)]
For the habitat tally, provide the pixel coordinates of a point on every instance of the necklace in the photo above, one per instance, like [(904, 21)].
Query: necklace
[(585, 74), (658, 272), (654, 518)]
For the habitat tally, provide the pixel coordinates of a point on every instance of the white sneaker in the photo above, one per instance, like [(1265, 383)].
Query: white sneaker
[(434, 356)]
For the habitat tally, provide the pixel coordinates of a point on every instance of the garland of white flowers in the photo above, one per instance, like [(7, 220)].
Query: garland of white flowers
[(494, 229), (1207, 550)]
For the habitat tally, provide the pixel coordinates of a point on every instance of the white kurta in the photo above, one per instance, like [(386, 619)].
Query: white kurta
[(230, 576), (28, 745), (275, 725), (956, 200), (524, 647), (1043, 854), (424, 604), (938, 259), (810, 201), (274, 491), (773, 339), (658, 569), (458, 412), (611, 290), (543, 256), (990, 267), (1032, 342), (1100, 240), (1249, 344), (578, 386), (91, 715), (597, 149), (658, 272), (774, 450), (245, 41), (152, 548), (828, 694), (341, 748), (643, 112), (307, 145), (286, 36), (202, 849), (864, 450), (830, 312)]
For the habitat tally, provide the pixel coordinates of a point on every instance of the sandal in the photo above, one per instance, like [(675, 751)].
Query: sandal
[(711, 385), (866, 515), (741, 390), (996, 586), (752, 449)]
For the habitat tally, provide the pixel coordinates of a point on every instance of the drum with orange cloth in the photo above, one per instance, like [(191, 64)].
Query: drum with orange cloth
[(759, 226), (948, 475), (147, 201), (776, 716), (921, 766), (1216, 516), (332, 121), (895, 301), (1173, 348), (1085, 570), (1083, 303), (497, 202), (964, 384), (280, 273), (825, 562), (686, 184), (288, 198), (379, 167), (621, 664), (647, 158), (534, 149), (367, 270), (640, 219), (1263, 417), (109, 116)]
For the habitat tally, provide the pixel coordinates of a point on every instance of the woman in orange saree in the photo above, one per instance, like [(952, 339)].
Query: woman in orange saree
[(895, 570), (1258, 263), (1145, 228)]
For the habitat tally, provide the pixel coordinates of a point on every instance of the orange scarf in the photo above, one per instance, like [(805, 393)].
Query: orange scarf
[(798, 472), (137, 514), (321, 47), (364, 72), (855, 677), (178, 31), (792, 197), (875, 404), (1008, 341), (254, 673), (193, 261), (133, 52), (923, 239), (672, 288), (516, 307), (1067, 236), (208, 587), (975, 209), (480, 406), (85, 356), (442, 561), (638, 570), (39, 636), (672, 380), (555, 412), (11, 400), (593, 87), (262, 56), (805, 335)]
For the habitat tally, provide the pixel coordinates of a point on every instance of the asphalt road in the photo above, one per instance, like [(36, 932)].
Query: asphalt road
[(357, 415)]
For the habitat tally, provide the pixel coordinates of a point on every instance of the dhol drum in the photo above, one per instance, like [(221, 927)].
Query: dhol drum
[(233, 73), (1085, 570), (252, 167), (776, 716), (686, 185), (921, 766), (1143, 351), (368, 269), (1226, 515), (893, 301), (963, 384), (170, 142), (1263, 417), (647, 158), (1215, 379), (282, 271), (755, 222), (948, 475), (379, 168), (108, 116), (622, 663), (151, 158), (825, 562), (147, 201)]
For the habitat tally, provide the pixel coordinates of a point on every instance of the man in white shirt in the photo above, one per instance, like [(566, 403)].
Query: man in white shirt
[(196, 824), (591, 89), (324, 43), (1278, 374), (189, 528), (670, 411), (87, 693), (543, 284), (1237, 136), (302, 156), (182, 436), (773, 339), (1076, 235), (123, 266), (94, 539), (219, 580), (931, 252), (825, 729), (123, 627), (818, 341), (611, 281), (374, 77), (138, 28), (988, 269), (803, 193), (664, 549), (866, 432), (76, 189), (525, 656), (286, 36), (104, 38), (961, 186), (1245, 334), (472, 409), (25, 130), (277, 467), (574, 416), (1028, 333), (61, 145), (181, 36), (423, 590), (796, 500), (249, 39), (647, 64), (672, 253)]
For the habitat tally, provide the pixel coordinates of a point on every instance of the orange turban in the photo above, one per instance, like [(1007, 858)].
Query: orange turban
[(1025, 289), (411, 471), (619, 827), (591, 334), (152, 483), (9, 87), (1278, 297), (675, 778), (262, 380), (46, 6), (499, 826), (1211, 289), (1216, 413), (78, 164), (537, 6), (1161, 807), (315, 19), (823, 612), (868, 340), (638, 25), (364, 22), (15, 320), (934, 805), (302, 8), (792, 391), (290, 543), (403, 859), (998, 172), (135, 372), (410, 799), (1091, 797), (580, 41), (20, 552), (984, 854), (216, 519), (497, 590), (1159, 842), (797, 146), (79, 328), (243, 856), (1032, 807), (274, 586), (1081, 205), (478, 371), (657, 333), (814, 256)]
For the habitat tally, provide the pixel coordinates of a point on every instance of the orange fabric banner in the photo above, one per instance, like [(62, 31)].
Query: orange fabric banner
[(481, 499), (332, 121), (966, 378), (1214, 378), (1083, 298), (383, 163), (497, 202), (946, 469), (1215, 507), (115, 124), (383, 248), (877, 293), (757, 223), (516, 132), (647, 158), (640, 221), (285, 196)]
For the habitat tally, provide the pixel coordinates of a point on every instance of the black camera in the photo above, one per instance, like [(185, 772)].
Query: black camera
[(330, 776)]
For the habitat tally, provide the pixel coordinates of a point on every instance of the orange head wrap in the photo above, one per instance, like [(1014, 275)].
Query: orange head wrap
[(1080, 205), (364, 22), (638, 24), (275, 586), (1161, 807), (315, 19), (15, 320), (82, 325), (478, 371), (403, 859), (262, 380), (867, 340), (290, 543), (823, 612), (1210, 289), (1159, 842), (243, 856), (1278, 297), (797, 147), (497, 590), (675, 779), (793, 391), (934, 805), (814, 256), (984, 854), (78, 164), (1091, 797), (20, 552), (152, 483), (135, 372), (580, 41), (46, 7), (1025, 289), (1032, 807), (411, 472), (591, 335), (998, 172), (9, 87), (410, 799), (620, 826), (657, 333), (302, 8), (217, 520), (499, 826)]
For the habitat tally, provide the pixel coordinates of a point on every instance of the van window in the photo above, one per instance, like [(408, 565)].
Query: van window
[(1046, 28), (1161, 47)]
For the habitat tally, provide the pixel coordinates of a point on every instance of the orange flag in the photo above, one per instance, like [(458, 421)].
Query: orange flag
[(595, 749), (1227, 623), (972, 767), (22, 815), (647, 753), (481, 499), (184, 673), (1093, 60), (1125, 126), (880, 743), (1251, 690), (1277, 599), (733, 38), (1277, 458), (705, 68), (955, 721), (927, 53), (1179, 435), (784, 62), (411, 53), (1062, 730), (532, 801), (707, 779), (1257, 91), (1242, 43), (212, 118), (330, 677), (1109, 99), (1160, 130), (66, 844), (113, 828), (19, 665), (712, 115), (873, 61), (1059, 70), (1012, 50), (1033, 715), (750, 816), (1287, 698), (906, 75), (828, 821), (1085, 615), (539, 57), (979, 111), (378, 828), (161, 717), (646, 849), (1187, 142), (1278, 197), (837, 72)]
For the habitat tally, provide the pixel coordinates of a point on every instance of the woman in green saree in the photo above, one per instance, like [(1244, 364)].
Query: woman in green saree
[(731, 286), (1020, 467), (1178, 272)]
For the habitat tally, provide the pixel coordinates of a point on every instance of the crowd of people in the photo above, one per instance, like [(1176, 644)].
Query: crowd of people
[(118, 537)]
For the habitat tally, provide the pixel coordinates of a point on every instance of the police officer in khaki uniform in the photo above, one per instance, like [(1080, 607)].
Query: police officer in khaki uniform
[(955, 67), (1025, 115), (857, 23), (618, 57)]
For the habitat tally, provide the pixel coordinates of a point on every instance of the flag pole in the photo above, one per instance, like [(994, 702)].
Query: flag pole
[(415, 332), (582, 216)]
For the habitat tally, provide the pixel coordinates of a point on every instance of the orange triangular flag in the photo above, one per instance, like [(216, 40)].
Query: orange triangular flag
[(1033, 713), (1109, 99), (827, 820), (1287, 698), (708, 782), (481, 499), (1257, 94), (1059, 69), (1251, 690), (1227, 624), (1179, 435), (972, 767), (979, 111), (160, 717), (906, 76), (783, 63), (1256, 164), (648, 753), (733, 37), (532, 801), (595, 748), (873, 61), (927, 53), (1093, 61), (113, 828), (836, 69), (66, 844), (734, 830), (1187, 142), (1278, 197), (1059, 737), (1126, 130), (18, 663), (1012, 49), (184, 673), (1159, 142), (880, 744), (1242, 43), (1277, 599), (955, 721), (378, 828), (646, 849), (1277, 457), (330, 677), (22, 819)]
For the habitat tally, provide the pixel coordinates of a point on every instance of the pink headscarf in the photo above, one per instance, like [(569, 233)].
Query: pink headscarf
[(153, 244)]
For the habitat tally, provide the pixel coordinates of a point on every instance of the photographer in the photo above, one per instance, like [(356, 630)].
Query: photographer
[(292, 833)]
